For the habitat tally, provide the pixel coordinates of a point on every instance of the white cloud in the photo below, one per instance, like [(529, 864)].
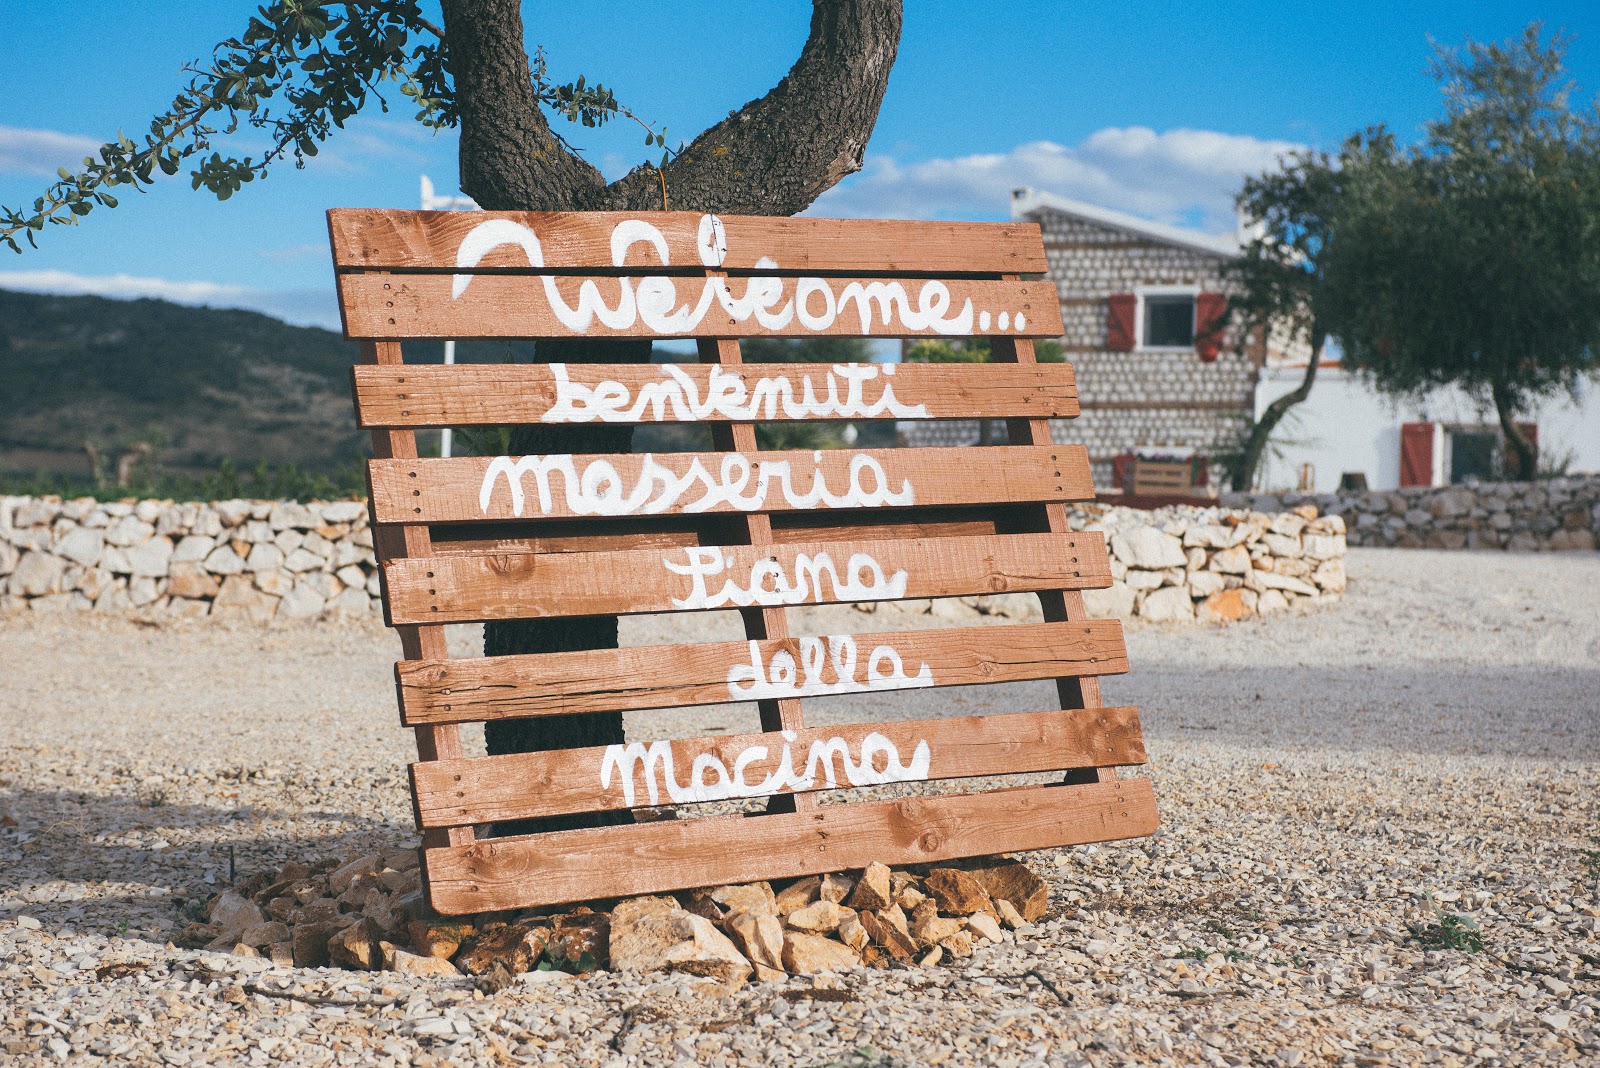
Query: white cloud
[(25, 151), (1182, 177), (314, 307)]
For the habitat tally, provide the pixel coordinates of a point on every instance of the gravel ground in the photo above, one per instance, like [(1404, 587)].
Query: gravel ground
[(1322, 778)]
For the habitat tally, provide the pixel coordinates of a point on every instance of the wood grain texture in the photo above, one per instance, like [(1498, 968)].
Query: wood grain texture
[(381, 305), (464, 792), (466, 589), (668, 676), (647, 858), (368, 238), (509, 394), (469, 489)]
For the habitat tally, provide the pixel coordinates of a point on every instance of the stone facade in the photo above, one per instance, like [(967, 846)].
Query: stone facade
[(1559, 514), (259, 560)]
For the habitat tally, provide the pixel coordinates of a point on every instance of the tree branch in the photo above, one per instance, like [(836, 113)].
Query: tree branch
[(510, 158)]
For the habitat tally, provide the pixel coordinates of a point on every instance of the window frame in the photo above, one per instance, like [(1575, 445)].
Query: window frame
[(1139, 295)]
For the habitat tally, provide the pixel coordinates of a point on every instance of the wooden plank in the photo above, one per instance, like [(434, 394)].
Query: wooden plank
[(366, 238), (520, 306), (467, 589), (508, 873), (509, 394), (472, 489), (452, 793), (666, 676)]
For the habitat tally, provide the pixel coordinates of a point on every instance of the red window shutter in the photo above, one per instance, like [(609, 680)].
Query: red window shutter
[(1210, 317), (1119, 322), (1416, 454)]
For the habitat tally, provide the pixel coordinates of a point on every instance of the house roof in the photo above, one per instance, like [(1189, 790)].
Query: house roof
[(1028, 201)]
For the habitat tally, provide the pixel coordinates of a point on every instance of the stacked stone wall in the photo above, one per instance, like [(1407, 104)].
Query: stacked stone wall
[(1559, 514), (261, 560), (279, 561)]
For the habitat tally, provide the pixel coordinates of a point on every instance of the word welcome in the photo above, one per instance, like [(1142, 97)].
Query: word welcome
[(711, 780), (768, 584), (601, 490), (783, 677), (727, 397), (653, 300)]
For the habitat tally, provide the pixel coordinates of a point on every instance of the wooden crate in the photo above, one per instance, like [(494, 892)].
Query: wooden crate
[(491, 538), (1153, 478)]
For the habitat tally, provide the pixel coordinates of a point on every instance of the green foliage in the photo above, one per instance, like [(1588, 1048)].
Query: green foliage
[(1473, 260), (227, 482), (1591, 862), (299, 71), (976, 350), (551, 961), (1449, 931)]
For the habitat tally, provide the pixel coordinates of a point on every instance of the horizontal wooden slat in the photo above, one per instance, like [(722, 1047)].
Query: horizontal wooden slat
[(665, 676), (382, 305), (365, 238), (508, 873), (509, 394), (468, 791), (471, 489), (465, 589)]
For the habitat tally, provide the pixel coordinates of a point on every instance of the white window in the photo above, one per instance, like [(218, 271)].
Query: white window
[(1165, 317)]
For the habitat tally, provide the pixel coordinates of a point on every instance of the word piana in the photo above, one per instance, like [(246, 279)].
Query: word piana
[(768, 584)]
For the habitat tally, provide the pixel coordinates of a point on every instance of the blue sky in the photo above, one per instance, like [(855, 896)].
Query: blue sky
[(1156, 108)]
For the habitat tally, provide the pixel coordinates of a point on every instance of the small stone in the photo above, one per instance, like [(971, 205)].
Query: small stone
[(934, 955), (82, 546), (909, 898), (1013, 882), (809, 954), (356, 946), (1234, 561), (872, 890), (514, 947), (191, 581), (438, 936), (896, 942), (985, 926), (264, 934), (956, 892), (759, 936), (308, 944), (1225, 606), (281, 954), (344, 876), (835, 887), (747, 897), (705, 951), (852, 933), (232, 912), (223, 561), (958, 945), (1098, 948), (928, 927), (1148, 548), (798, 895), (642, 930), (398, 960), (820, 917), (193, 548), (582, 933), (1170, 605)]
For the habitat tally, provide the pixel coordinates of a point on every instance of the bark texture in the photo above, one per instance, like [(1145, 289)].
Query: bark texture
[(774, 156), (1505, 407)]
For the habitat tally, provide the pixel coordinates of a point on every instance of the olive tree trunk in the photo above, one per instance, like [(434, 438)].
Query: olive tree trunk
[(1255, 445), (773, 156)]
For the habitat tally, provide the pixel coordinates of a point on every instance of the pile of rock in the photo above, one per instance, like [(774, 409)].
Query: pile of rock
[(261, 560), (1556, 514), (1186, 563), (368, 913)]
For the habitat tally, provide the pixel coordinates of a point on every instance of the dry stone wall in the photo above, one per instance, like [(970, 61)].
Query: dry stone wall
[(279, 561), (1559, 514), (260, 560)]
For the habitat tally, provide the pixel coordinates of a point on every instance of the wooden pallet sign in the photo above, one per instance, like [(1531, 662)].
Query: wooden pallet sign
[(471, 539)]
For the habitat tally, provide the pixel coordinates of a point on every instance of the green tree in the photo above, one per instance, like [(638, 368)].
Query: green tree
[(302, 68), (1473, 260), (1277, 281)]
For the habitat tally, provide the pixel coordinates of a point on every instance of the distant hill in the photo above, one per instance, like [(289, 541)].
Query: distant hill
[(200, 384)]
